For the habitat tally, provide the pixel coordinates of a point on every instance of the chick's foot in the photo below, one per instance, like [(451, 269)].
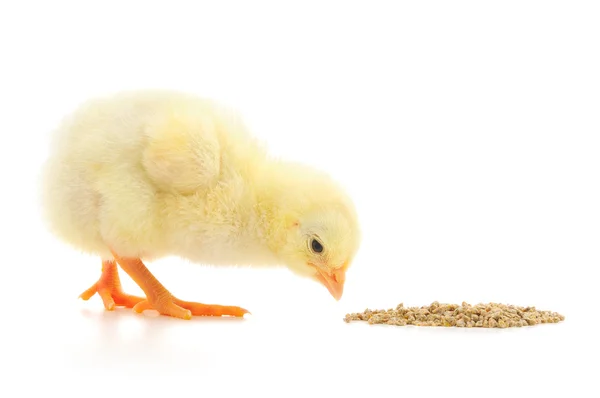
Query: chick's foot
[(109, 289), (161, 300)]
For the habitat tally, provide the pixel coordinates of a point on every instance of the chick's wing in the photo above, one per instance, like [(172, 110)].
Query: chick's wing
[(182, 153)]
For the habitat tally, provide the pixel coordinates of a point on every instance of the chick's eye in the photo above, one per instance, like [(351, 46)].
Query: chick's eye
[(316, 246)]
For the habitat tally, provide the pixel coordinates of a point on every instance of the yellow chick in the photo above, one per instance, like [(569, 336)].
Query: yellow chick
[(142, 175)]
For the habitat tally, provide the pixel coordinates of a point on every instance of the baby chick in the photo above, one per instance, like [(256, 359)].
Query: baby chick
[(142, 175)]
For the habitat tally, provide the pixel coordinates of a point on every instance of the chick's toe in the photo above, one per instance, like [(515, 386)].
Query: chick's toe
[(185, 309), (166, 307), (199, 309)]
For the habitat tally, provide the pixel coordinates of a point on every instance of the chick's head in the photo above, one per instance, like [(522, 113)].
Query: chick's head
[(322, 235)]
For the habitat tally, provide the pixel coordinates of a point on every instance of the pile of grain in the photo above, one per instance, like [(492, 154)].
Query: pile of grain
[(491, 315)]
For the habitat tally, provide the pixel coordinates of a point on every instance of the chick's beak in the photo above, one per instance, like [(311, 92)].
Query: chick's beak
[(334, 282)]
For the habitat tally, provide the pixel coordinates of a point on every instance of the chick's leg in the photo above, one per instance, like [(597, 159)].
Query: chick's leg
[(161, 300), (109, 289)]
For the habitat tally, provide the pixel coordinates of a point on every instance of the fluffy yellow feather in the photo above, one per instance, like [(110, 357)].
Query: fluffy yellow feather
[(142, 175)]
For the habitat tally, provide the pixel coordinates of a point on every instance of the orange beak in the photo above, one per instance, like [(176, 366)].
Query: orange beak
[(334, 282)]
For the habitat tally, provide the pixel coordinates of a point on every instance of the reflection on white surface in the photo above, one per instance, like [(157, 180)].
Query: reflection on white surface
[(75, 344)]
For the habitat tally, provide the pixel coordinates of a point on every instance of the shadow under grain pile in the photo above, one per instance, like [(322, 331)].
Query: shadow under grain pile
[(491, 315)]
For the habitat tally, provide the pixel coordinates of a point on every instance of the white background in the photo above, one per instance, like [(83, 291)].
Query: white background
[(466, 132)]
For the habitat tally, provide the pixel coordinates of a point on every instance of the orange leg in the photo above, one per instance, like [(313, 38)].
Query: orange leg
[(109, 289), (161, 300)]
